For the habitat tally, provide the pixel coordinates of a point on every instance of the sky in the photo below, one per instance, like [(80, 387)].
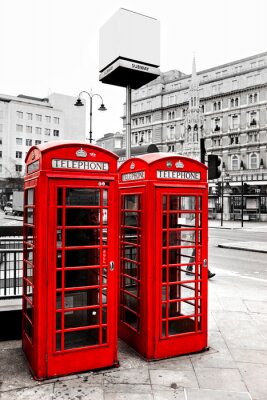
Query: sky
[(49, 46)]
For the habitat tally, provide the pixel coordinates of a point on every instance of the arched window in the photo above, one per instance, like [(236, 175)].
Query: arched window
[(214, 106), (236, 102), (250, 99), (219, 105), (253, 161), (235, 163), (255, 98), (232, 102)]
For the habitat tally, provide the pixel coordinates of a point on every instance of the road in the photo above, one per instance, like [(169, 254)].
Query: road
[(248, 264), (8, 220)]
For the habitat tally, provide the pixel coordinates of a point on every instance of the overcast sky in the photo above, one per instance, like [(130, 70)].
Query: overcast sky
[(53, 45)]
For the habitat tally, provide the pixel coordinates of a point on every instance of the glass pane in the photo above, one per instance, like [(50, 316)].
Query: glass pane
[(28, 309), (59, 196), (105, 197), (29, 215), (104, 315), (58, 321), (82, 257), (186, 219), (58, 342), (82, 277), (131, 319), (174, 274), (105, 216), (81, 298), (59, 217), (82, 217), (130, 302), (131, 252), (28, 328), (181, 326), (59, 237), (131, 218), (131, 235), (131, 269), (29, 254), (104, 295), (29, 273), (104, 276), (83, 197), (182, 203), (59, 259), (82, 338), (164, 203), (104, 334), (29, 232), (76, 318), (130, 285), (131, 202), (59, 279), (30, 196), (82, 237)]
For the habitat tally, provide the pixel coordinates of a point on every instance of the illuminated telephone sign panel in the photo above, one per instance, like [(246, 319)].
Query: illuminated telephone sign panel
[(70, 259), (163, 255)]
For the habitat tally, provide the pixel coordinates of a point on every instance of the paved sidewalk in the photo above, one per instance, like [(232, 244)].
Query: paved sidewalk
[(235, 367), (247, 225)]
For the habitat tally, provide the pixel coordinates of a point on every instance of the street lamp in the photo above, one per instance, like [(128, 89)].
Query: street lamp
[(79, 103)]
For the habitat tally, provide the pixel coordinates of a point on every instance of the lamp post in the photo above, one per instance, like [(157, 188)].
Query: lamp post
[(227, 190), (79, 103)]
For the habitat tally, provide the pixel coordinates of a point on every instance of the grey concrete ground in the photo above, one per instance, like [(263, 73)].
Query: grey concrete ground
[(235, 367)]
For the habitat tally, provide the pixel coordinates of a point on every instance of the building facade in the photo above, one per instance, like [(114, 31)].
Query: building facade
[(227, 106), (27, 121)]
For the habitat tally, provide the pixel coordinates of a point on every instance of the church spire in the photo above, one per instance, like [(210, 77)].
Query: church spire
[(194, 72)]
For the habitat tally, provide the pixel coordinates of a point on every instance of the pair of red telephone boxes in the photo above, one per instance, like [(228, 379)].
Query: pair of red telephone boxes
[(103, 245)]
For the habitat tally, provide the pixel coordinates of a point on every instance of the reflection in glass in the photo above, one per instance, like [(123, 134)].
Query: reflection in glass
[(59, 258), (131, 319), (59, 237), (76, 318), (131, 252), (104, 276), (181, 326), (182, 203), (104, 295), (82, 216), (29, 215), (130, 302), (130, 285), (104, 334), (105, 216), (130, 268), (81, 277), (131, 218), (28, 309), (131, 235), (58, 341), (81, 338), (82, 197), (81, 258), (105, 197), (80, 298), (59, 279), (82, 237), (30, 197), (131, 202)]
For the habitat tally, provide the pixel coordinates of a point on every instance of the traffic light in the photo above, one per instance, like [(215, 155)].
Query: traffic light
[(202, 150), (213, 166)]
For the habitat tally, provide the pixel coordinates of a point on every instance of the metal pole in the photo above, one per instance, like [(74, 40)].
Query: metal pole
[(222, 203), (242, 199), (128, 122), (91, 116)]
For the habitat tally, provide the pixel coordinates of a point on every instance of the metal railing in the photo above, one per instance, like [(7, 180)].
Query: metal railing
[(11, 267)]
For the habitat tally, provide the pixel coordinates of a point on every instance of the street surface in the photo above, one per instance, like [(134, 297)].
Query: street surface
[(243, 263)]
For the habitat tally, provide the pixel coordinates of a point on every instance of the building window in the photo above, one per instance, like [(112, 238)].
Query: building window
[(28, 142), (19, 141), (56, 120), (171, 100), (29, 129), (141, 120), (19, 128), (170, 132), (18, 168), (19, 114), (253, 119), (235, 122), (148, 119), (234, 139), (48, 119), (1, 154), (29, 116), (217, 125), (38, 142), (234, 102), (1, 114), (47, 132), (18, 154), (253, 98), (253, 161), (1, 168), (117, 144), (171, 148), (38, 130), (55, 132), (38, 117), (235, 163)]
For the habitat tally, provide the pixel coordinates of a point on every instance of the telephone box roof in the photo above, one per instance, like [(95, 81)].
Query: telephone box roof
[(151, 158)]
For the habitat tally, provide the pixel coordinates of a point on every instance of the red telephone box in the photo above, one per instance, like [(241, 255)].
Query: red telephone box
[(70, 250), (164, 230)]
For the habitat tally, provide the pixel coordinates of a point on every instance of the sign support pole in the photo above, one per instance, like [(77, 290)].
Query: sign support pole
[(128, 122)]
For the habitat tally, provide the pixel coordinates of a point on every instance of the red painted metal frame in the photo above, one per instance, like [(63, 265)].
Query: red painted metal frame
[(139, 176), (45, 360)]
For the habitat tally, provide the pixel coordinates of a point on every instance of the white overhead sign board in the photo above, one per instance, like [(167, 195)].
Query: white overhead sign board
[(129, 47)]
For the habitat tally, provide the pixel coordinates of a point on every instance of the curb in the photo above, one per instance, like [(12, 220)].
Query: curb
[(226, 246)]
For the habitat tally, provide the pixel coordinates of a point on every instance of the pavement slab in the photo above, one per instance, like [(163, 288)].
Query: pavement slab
[(44, 392), (193, 394), (128, 376), (226, 379), (77, 389), (173, 378), (260, 247), (255, 378)]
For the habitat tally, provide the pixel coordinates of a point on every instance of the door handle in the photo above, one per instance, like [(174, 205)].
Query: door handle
[(111, 266)]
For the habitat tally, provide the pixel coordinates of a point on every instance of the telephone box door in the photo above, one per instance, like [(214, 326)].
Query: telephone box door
[(81, 276), (181, 243)]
